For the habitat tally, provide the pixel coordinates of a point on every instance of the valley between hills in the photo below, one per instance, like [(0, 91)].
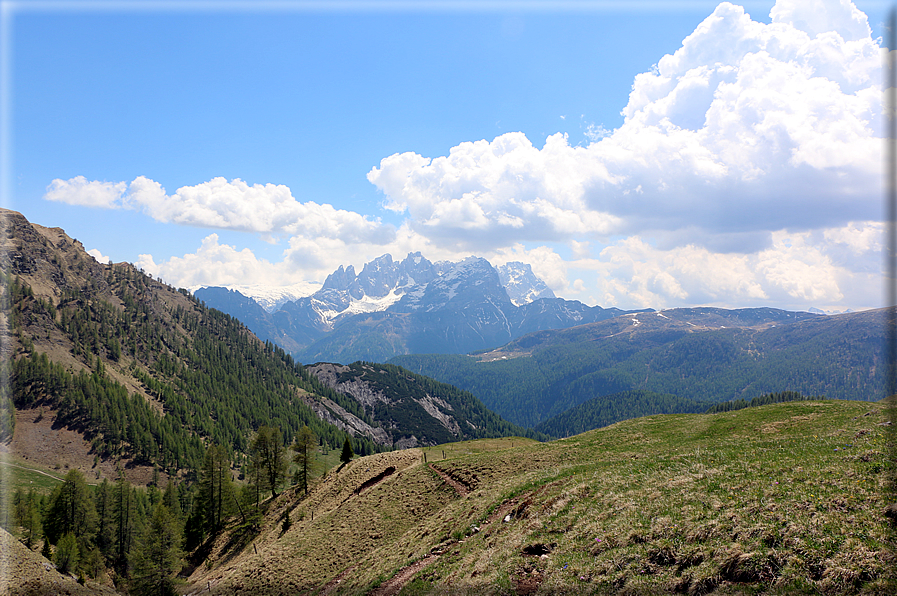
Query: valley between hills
[(136, 404)]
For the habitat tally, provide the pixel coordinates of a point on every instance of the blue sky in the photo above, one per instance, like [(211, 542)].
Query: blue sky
[(227, 144)]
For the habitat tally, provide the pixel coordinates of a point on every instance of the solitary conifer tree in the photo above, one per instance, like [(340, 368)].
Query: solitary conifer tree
[(269, 456), (346, 455), (305, 447)]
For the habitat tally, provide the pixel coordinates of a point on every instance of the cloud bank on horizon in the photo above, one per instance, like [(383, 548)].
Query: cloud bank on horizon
[(747, 172)]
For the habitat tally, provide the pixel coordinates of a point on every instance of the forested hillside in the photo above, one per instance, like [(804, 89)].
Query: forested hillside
[(212, 378), (216, 383), (604, 410), (413, 410), (694, 354)]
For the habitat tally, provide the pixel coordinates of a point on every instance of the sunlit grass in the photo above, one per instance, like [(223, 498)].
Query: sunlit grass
[(779, 499), (20, 474)]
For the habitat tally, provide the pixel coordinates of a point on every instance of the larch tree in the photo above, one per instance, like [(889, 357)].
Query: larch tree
[(28, 515), (269, 456), (305, 457), (215, 489), (159, 556), (123, 516), (71, 509)]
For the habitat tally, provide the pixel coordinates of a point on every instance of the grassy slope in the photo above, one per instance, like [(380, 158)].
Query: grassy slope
[(26, 573), (777, 499)]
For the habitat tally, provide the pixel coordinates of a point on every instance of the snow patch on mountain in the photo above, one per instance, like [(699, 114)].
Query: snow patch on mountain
[(522, 285), (271, 298), (372, 303), (414, 283), (819, 311)]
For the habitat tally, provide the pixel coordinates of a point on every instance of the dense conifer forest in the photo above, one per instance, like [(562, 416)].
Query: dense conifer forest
[(545, 374), (210, 376), (763, 400), (606, 409)]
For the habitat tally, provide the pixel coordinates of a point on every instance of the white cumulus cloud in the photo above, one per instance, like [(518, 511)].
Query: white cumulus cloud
[(223, 204), (80, 191), (748, 128), (212, 264), (100, 257), (797, 270)]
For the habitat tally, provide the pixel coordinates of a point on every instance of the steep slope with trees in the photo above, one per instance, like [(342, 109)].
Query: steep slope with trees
[(147, 373), (412, 410)]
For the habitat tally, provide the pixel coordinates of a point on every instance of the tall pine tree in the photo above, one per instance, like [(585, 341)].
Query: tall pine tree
[(71, 509), (269, 457), (347, 454), (215, 489), (158, 556), (305, 448)]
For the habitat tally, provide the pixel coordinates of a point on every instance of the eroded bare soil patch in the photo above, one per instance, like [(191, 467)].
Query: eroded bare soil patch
[(460, 487), (393, 586), (40, 440)]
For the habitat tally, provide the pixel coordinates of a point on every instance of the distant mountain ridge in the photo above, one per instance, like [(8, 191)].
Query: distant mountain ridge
[(410, 306), (270, 298), (698, 355)]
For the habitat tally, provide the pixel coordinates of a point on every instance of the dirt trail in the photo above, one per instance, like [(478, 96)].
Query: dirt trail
[(461, 489), (394, 585), (6, 463), (335, 582)]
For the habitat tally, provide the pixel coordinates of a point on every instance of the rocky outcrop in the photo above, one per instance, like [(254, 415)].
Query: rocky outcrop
[(401, 417)]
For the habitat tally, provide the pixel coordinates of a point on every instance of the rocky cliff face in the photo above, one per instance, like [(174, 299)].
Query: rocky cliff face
[(404, 411), (522, 284)]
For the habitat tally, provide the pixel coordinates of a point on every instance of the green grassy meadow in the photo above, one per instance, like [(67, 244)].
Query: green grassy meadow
[(20, 474), (779, 499)]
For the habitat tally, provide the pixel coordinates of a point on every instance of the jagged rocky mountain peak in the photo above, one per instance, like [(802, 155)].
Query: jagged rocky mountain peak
[(522, 285), (341, 279), (415, 269), (395, 307), (473, 279)]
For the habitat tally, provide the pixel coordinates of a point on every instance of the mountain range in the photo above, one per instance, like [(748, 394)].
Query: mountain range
[(409, 306), (140, 335)]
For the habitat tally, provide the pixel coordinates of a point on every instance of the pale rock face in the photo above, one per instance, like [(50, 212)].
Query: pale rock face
[(369, 398), (522, 284), (415, 283)]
